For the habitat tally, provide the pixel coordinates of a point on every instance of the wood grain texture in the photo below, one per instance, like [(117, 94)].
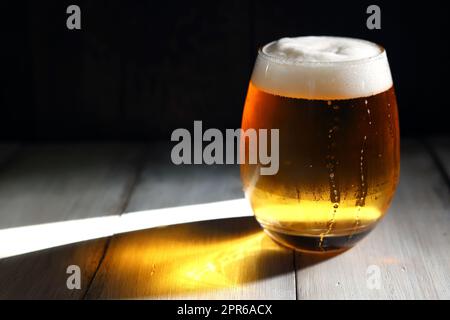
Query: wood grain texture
[(163, 184), (441, 147), (410, 246), (49, 183), (42, 274), (224, 259)]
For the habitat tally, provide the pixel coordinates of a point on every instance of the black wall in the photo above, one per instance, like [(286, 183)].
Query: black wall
[(139, 69)]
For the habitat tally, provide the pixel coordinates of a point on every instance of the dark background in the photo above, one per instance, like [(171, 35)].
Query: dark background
[(139, 69)]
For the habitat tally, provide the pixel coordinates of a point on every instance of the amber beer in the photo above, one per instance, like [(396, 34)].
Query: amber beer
[(338, 140)]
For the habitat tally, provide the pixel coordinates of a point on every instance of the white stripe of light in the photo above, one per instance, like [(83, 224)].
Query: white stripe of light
[(20, 240)]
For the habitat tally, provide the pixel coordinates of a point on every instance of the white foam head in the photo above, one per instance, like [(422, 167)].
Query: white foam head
[(325, 68)]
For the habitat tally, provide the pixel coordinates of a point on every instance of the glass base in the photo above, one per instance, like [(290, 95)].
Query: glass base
[(316, 244)]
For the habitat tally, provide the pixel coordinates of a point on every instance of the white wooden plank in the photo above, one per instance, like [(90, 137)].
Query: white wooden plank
[(65, 182), (441, 146), (42, 274), (52, 183)]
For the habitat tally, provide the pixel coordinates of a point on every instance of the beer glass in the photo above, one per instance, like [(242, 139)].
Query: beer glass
[(333, 101)]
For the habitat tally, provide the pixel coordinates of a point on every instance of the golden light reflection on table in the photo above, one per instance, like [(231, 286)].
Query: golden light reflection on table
[(191, 258), (215, 266)]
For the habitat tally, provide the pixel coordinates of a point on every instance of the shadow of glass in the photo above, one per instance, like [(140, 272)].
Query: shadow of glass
[(189, 259)]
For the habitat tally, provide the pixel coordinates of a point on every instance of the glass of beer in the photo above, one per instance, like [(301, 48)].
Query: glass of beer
[(333, 101)]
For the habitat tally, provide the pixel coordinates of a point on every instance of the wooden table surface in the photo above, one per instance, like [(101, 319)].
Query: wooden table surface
[(219, 259)]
